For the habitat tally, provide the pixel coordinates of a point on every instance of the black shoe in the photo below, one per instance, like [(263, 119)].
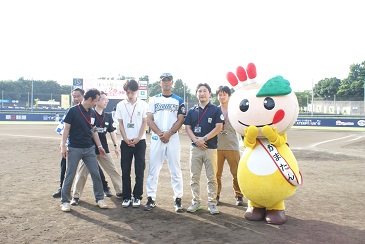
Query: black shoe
[(107, 192), (75, 201), (119, 195), (178, 206), (150, 204), (57, 194), (217, 200), (239, 201)]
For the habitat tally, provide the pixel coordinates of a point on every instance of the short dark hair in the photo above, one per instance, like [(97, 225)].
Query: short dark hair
[(131, 85), (79, 90), (203, 84), (103, 93), (93, 92), (224, 89)]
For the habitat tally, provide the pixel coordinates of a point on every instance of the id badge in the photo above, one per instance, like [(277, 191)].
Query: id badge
[(130, 125), (92, 121), (197, 129), (94, 129)]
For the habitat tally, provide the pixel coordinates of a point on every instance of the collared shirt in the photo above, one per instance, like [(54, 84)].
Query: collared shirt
[(132, 115), (81, 122), (165, 110), (206, 119), (104, 121)]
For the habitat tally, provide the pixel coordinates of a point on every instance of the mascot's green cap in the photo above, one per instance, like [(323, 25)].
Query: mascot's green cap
[(276, 86)]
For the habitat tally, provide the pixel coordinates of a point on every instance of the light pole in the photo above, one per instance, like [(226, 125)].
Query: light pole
[(2, 98), (312, 98), (31, 101), (184, 93), (28, 100)]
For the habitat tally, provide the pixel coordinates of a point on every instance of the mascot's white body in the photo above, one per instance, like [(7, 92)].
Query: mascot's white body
[(268, 172)]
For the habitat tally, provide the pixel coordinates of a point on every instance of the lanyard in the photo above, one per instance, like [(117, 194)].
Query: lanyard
[(130, 116), (199, 119), (89, 122), (97, 116), (225, 118)]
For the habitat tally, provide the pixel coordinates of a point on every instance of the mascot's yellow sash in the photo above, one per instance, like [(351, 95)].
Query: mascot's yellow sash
[(281, 163)]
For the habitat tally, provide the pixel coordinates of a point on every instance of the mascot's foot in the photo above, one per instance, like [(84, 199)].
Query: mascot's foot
[(275, 217), (255, 214)]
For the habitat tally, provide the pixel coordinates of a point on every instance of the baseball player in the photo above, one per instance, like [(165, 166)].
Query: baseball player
[(165, 116)]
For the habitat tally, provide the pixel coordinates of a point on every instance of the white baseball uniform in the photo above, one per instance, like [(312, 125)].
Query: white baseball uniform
[(165, 110)]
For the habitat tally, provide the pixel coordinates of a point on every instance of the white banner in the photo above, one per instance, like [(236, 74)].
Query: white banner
[(113, 88)]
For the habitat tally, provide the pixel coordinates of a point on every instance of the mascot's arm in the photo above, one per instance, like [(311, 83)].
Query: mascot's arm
[(251, 134), (272, 135)]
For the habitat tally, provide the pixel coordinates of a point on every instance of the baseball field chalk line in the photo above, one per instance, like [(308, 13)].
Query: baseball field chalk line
[(41, 137), (336, 139)]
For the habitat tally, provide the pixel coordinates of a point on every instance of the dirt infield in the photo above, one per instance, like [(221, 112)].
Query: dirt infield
[(328, 208)]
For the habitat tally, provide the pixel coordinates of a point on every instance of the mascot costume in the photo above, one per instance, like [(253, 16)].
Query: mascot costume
[(268, 172)]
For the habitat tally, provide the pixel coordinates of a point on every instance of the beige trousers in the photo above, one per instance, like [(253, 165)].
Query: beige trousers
[(233, 158), (198, 159), (109, 167)]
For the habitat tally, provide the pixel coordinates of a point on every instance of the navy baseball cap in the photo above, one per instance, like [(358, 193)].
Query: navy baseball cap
[(166, 75)]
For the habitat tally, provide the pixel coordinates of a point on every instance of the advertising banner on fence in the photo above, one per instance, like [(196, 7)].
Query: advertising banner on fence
[(333, 122), (65, 101), (113, 88)]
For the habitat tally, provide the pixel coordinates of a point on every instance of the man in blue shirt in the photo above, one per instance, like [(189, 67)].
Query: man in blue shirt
[(80, 131), (77, 95), (202, 124)]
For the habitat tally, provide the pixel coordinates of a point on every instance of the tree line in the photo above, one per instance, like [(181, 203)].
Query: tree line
[(348, 89)]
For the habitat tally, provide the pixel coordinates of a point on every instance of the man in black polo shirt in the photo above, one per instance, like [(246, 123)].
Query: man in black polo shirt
[(77, 95), (104, 123), (79, 129), (202, 124)]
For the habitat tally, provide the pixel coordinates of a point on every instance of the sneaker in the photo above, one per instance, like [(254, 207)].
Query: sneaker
[(239, 201), (102, 204), (178, 205), (126, 203), (136, 202), (57, 194), (213, 209), (107, 192), (75, 201), (217, 199), (65, 207), (150, 204), (194, 207), (119, 195)]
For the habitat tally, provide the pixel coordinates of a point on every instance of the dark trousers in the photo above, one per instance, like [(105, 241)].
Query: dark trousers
[(102, 176), (63, 172), (127, 154)]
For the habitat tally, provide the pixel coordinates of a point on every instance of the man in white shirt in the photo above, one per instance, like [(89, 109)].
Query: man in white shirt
[(131, 114)]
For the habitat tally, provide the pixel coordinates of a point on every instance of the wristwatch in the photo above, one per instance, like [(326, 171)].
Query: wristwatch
[(205, 138)]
